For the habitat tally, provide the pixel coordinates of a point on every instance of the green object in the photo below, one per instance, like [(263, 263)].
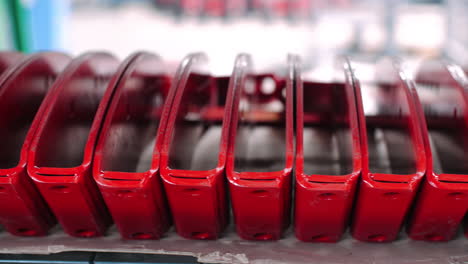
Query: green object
[(6, 36), (21, 24)]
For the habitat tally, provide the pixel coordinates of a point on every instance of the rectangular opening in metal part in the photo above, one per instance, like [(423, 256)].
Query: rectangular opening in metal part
[(327, 139), (445, 110), (63, 140), (391, 146), (197, 133), (260, 144), (131, 137), (19, 103)]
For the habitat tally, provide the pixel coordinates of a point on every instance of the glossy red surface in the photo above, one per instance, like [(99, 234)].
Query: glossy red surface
[(193, 153), (83, 136), (261, 152), (8, 59), (62, 150), (443, 201), (23, 88), (126, 160), (328, 159), (394, 160)]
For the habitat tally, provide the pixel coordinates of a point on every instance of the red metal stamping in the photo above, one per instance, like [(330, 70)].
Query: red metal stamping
[(328, 159), (191, 7), (236, 8), (62, 150), (9, 58), (224, 8), (126, 161), (193, 153), (443, 200), (300, 8), (261, 152), (276, 8), (23, 88), (215, 7), (393, 154)]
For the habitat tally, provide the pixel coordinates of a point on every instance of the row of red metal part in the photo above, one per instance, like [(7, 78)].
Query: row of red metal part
[(279, 8), (57, 94)]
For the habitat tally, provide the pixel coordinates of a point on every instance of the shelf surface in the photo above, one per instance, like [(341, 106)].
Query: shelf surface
[(232, 249)]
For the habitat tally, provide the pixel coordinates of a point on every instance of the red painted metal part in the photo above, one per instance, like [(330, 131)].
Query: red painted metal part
[(443, 200), (23, 88), (260, 182), (8, 59), (278, 8), (126, 172), (323, 201), (301, 8), (62, 150), (215, 7), (193, 153), (223, 8), (191, 7), (385, 194), (236, 7)]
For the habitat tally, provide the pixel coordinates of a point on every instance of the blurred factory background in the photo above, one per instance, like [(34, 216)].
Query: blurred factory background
[(318, 30)]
